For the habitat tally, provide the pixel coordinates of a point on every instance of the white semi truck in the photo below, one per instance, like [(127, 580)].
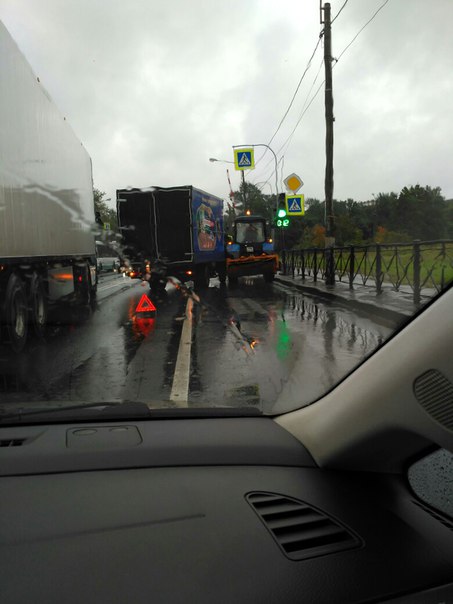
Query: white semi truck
[(47, 221)]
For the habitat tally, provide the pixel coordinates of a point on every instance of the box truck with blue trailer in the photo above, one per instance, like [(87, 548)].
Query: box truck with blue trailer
[(173, 231)]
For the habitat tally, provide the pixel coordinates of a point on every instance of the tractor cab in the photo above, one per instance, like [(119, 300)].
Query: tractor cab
[(250, 236)]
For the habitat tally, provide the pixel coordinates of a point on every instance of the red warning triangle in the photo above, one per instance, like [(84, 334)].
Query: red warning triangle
[(145, 305)]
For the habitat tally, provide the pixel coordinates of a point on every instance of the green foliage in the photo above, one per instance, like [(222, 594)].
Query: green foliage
[(415, 213), (421, 212), (383, 235), (449, 219), (254, 200), (106, 213)]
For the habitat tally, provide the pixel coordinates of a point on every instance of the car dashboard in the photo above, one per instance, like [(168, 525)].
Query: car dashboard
[(206, 510)]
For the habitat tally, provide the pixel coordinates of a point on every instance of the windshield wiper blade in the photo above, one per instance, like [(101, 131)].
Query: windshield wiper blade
[(127, 409)]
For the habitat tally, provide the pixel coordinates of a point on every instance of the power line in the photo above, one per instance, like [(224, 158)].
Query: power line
[(294, 95), (297, 88), (340, 55), (360, 30), (297, 124), (338, 14), (305, 108)]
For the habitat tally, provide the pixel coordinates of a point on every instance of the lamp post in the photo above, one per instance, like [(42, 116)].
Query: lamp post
[(223, 161)]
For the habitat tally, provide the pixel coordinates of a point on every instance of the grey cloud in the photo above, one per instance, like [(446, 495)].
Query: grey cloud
[(154, 89)]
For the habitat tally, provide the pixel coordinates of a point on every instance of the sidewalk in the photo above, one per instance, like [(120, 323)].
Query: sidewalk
[(390, 304)]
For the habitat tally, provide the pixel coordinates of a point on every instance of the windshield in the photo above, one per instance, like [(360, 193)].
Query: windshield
[(136, 136), (251, 231)]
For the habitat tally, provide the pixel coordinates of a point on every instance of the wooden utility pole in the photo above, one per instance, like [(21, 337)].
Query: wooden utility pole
[(328, 182)]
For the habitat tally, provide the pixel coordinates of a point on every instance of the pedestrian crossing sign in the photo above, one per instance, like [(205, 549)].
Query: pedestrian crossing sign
[(244, 159), (295, 205)]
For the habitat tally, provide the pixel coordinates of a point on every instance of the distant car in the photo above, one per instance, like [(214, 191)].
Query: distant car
[(107, 258), (135, 271), (108, 264)]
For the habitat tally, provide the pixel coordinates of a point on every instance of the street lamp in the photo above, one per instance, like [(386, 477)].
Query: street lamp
[(224, 161)]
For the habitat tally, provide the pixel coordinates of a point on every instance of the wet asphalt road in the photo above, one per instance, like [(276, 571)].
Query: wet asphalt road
[(256, 344)]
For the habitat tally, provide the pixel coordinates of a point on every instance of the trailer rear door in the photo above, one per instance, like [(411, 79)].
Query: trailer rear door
[(173, 219)]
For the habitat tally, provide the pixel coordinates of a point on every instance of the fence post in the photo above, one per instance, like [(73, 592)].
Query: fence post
[(442, 278), (293, 262), (378, 270), (303, 264), (417, 271), (315, 266), (284, 261), (351, 267)]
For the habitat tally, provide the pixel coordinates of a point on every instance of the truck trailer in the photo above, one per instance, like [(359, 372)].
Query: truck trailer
[(176, 231), (47, 237)]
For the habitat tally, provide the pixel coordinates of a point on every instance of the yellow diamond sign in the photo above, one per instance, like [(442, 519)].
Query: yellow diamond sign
[(293, 183)]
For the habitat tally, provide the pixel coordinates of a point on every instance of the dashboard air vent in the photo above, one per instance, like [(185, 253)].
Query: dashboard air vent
[(434, 392), (301, 530)]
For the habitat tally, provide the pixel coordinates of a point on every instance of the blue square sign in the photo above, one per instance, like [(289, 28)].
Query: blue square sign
[(295, 205), (244, 159)]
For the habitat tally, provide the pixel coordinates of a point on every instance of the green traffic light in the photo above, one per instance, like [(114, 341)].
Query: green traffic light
[(281, 213)]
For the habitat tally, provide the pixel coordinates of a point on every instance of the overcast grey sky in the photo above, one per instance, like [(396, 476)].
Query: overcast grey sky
[(153, 89)]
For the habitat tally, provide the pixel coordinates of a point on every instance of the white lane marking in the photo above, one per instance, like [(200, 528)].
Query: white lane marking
[(180, 387)]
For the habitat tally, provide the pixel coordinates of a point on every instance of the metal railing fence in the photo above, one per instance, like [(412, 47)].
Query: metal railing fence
[(425, 267)]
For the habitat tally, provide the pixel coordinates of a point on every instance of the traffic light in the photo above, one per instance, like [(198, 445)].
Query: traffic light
[(282, 219)]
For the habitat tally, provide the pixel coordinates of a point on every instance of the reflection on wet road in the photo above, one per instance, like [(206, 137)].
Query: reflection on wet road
[(256, 344)]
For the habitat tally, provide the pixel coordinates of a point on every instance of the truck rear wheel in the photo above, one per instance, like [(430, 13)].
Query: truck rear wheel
[(38, 305), (221, 272), (85, 290), (15, 313), (202, 276)]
